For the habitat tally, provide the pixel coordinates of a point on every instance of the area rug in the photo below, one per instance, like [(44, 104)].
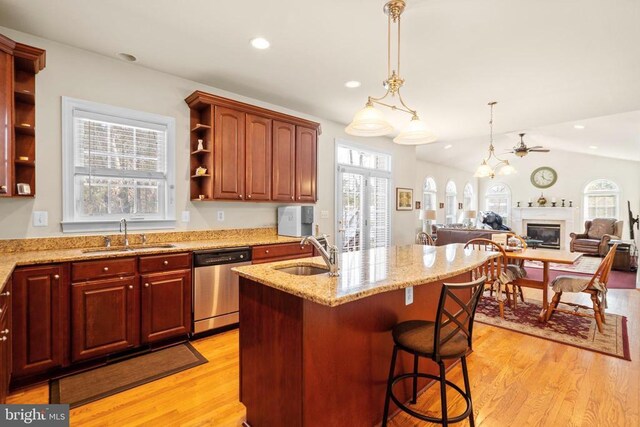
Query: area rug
[(564, 328), (584, 264), (617, 279), (98, 383)]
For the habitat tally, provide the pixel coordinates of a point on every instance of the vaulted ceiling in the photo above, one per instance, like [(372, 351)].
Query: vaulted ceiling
[(547, 62)]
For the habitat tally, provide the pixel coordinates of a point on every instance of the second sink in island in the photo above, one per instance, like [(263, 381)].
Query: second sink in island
[(315, 349)]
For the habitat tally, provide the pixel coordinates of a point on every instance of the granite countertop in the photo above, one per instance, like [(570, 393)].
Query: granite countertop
[(369, 272), (10, 260)]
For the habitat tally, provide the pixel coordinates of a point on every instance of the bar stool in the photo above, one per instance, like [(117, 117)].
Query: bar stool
[(449, 337)]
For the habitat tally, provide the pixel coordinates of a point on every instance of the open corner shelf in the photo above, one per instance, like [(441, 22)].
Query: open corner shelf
[(26, 130), (28, 163), (201, 176), (25, 97), (200, 152), (199, 127)]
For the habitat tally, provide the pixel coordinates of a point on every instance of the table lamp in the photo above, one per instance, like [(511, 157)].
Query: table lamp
[(471, 215), (426, 216)]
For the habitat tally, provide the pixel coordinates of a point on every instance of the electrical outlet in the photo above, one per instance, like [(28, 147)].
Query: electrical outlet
[(408, 295), (40, 218), (221, 216), (324, 214), (186, 216)]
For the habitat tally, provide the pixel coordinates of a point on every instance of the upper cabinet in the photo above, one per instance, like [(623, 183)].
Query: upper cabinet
[(19, 65), (246, 153)]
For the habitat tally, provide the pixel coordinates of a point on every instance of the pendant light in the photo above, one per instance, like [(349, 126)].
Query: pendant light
[(486, 169), (370, 121)]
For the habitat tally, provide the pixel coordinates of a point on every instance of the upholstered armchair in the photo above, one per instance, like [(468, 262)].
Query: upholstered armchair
[(597, 234)]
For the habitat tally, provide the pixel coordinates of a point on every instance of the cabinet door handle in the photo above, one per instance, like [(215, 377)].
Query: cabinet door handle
[(5, 332), (291, 197), (146, 285), (105, 269), (240, 196), (56, 276), (5, 294), (249, 196), (3, 338), (165, 262), (130, 286), (267, 251)]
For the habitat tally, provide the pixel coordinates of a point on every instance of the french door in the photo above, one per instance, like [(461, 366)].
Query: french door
[(362, 209)]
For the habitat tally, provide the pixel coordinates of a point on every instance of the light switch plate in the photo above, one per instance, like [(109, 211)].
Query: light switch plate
[(324, 214), (220, 215), (186, 216), (408, 295), (40, 218)]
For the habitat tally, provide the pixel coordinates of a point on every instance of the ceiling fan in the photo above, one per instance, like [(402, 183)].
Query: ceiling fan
[(522, 150)]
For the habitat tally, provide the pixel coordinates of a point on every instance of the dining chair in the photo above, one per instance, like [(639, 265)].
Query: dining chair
[(595, 286), (516, 266), (423, 238), (495, 271)]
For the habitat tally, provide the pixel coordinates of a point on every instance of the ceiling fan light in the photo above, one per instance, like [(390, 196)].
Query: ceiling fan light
[(369, 122), (483, 171), (521, 153), (415, 133)]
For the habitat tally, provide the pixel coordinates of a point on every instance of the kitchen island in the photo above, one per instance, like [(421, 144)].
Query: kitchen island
[(315, 350)]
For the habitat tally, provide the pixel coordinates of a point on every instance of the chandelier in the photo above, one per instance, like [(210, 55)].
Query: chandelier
[(486, 168), (370, 121)]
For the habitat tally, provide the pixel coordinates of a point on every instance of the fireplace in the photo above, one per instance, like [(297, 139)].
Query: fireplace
[(548, 233)]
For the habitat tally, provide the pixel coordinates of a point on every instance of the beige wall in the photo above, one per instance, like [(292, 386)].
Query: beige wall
[(85, 75)]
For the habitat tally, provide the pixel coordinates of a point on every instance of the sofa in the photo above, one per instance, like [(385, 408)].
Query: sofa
[(596, 237), (444, 236)]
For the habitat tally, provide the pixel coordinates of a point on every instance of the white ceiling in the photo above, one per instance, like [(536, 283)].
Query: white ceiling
[(545, 61)]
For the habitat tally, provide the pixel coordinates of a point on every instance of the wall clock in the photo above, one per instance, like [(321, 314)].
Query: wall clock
[(544, 177)]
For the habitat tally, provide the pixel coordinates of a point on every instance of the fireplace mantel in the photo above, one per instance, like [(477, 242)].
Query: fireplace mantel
[(566, 217)]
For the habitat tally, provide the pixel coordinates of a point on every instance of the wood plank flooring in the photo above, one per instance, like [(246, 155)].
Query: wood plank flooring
[(516, 380)]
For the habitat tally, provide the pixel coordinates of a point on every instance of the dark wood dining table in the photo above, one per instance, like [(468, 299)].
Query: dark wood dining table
[(545, 256)]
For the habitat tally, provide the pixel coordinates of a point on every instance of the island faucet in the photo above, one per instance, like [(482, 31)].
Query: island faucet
[(331, 256), (126, 233)]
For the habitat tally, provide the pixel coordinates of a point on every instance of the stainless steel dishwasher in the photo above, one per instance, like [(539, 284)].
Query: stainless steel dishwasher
[(215, 287)]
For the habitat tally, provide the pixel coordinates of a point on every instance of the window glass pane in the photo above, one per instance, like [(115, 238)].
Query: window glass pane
[(601, 199), (147, 196), (364, 159), (95, 196)]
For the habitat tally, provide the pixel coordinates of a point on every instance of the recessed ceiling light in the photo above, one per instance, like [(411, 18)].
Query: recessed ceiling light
[(593, 147), (127, 57), (578, 126), (260, 43), (446, 147), (352, 84)]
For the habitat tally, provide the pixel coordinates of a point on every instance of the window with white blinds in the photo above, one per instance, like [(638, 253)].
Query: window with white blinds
[(363, 190), (116, 165)]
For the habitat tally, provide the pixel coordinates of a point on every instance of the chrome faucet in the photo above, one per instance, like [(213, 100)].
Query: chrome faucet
[(126, 233), (331, 256)]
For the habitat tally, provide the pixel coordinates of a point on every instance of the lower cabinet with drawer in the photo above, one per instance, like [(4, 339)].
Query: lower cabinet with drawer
[(280, 252), (5, 341), (166, 305)]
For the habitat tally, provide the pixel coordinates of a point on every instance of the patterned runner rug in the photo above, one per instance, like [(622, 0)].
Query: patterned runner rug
[(564, 328)]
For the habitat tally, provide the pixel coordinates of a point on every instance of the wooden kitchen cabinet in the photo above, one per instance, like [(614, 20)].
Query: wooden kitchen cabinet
[(37, 319), (166, 305), (306, 152), (19, 64), (105, 317), (5, 341), (283, 171), (258, 158), (229, 154), (257, 154), (280, 252)]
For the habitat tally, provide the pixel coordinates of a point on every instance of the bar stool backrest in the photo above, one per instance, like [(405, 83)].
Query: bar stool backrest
[(451, 322)]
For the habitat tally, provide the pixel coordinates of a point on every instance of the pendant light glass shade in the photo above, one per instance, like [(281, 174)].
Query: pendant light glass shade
[(415, 133), (369, 122), (507, 169), (483, 171)]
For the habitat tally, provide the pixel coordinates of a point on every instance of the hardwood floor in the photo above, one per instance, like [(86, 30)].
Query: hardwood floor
[(516, 380)]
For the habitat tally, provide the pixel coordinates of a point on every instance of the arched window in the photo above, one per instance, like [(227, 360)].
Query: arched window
[(467, 201), (451, 202), (601, 199), (429, 194), (498, 199)]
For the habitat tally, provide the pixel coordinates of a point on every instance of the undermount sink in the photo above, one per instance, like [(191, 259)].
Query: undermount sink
[(303, 270), (127, 249)]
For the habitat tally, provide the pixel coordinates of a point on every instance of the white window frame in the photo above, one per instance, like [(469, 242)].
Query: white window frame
[(447, 195), (367, 172), (507, 196), (431, 194), (586, 194), (71, 220)]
